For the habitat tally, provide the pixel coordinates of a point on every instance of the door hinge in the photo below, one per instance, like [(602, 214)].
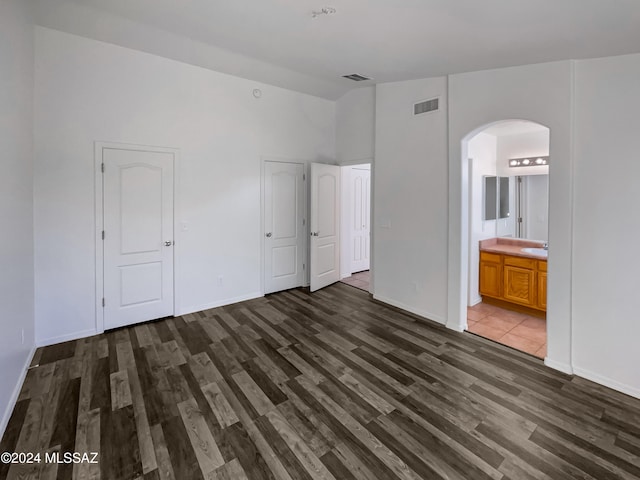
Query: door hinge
[(103, 302), (304, 177), (102, 167), (304, 266), (304, 221), (520, 220), (103, 234)]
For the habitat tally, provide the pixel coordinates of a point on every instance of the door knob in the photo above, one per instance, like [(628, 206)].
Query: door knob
[(168, 243), (268, 235)]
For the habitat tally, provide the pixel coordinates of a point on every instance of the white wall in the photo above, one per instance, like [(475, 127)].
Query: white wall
[(606, 260), (536, 217), (410, 198), (355, 126), (540, 93), (482, 156), (90, 91), (16, 200)]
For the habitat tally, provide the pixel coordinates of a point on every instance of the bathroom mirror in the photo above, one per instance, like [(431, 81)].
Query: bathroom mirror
[(490, 197), (496, 197)]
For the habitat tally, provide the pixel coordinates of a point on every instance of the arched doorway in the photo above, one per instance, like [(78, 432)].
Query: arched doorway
[(505, 189)]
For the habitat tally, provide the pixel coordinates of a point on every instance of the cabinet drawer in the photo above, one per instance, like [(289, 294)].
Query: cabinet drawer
[(520, 262), (490, 257), (542, 266)]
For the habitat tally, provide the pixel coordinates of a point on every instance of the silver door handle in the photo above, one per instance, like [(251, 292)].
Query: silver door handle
[(268, 235), (315, 234), (168, 244)]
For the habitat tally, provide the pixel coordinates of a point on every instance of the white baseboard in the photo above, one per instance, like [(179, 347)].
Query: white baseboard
[(456, 326), (607, 382), (417, 311), (475, 301), (16, 393), (560, 366), (44, 342), (220, 303)]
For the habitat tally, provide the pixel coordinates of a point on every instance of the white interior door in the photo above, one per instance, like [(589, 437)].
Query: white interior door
[(284, 226), (325, 225), (360, 218), (138, 236)]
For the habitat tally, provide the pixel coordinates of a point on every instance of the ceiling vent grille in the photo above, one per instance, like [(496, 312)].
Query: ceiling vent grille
[(356, 77), (426, 106)]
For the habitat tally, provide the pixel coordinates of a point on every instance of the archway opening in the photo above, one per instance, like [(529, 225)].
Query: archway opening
[(505, 184)]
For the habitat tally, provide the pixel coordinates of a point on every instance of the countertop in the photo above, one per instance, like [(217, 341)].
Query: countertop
[(511, 246)]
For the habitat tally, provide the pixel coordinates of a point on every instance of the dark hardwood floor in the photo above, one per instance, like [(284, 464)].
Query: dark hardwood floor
[(329, 385)]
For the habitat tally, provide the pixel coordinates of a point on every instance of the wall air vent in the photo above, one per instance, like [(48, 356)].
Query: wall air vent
[(426, 106), (355, 77)]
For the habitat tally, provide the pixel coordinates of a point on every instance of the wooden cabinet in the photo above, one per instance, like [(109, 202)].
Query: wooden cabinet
[(490, 274), (518, 280), (519, 285), (542, 290)]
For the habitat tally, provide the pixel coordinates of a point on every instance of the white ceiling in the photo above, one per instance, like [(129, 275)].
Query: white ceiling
[(388, 40)]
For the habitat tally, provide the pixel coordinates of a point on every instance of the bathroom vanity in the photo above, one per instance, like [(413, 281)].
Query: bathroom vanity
[(513, 272)]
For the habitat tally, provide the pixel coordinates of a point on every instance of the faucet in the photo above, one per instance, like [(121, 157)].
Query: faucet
[(545, 245)]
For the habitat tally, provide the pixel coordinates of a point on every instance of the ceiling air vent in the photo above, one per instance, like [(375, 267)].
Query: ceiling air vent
[(355, 77), (426, 106)]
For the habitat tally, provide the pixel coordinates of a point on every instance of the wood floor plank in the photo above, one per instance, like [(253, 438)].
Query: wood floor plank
[(202, 441), (224, 412), (229, 471), (165, 468), (315, 386), (120, 390)]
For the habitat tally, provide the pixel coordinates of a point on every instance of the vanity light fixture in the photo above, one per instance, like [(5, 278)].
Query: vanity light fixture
[(529, 162)]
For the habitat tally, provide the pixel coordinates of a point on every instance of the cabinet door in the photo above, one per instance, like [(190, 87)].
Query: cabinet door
[(542, 290), (490, 279), (519, 285)]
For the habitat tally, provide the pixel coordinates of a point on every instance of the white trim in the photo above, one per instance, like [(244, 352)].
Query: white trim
[(607, 382), (99, 146), (351, 163), (221, 303), (422, 313), (45, 342), (560, 366), (6, 416)]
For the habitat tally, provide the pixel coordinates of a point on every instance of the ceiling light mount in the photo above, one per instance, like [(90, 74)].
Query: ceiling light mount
[(323, 11)]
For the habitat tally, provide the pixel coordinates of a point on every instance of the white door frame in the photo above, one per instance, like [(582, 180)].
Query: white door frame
[(99, 221), (305, 229), (370, 162)]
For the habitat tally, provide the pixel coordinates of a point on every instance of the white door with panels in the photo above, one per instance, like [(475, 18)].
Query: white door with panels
[(360, 218), (325, 225), (138, 234), (284, 226)]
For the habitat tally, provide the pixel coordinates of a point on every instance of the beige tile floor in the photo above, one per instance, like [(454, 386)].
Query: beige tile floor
[(359, 280), (517, 330)]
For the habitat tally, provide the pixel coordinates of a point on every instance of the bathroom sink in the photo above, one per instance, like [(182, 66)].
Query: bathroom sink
[(540, 252)]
